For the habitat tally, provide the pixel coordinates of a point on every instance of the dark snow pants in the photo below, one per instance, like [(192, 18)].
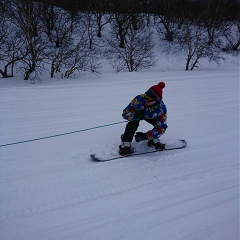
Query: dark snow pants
[(132, 127)]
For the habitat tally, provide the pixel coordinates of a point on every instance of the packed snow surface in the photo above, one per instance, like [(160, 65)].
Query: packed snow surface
[(50, 189)]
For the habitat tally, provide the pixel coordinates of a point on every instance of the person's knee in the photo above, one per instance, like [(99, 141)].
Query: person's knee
[(133, 126)]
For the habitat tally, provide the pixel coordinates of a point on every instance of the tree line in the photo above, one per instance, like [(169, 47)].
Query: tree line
[(191, 8), (68, 37)]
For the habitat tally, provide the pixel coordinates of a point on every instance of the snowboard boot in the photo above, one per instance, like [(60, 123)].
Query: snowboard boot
[(140, 136), (125, 149), (159, 146), (156, 143)]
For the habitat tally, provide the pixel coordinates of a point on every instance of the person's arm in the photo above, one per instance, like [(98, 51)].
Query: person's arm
[(134, 110)]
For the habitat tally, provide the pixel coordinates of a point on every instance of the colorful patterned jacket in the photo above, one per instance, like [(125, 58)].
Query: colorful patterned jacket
[(138, 110)]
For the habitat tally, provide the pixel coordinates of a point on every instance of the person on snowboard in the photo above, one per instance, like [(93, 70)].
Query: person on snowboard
[(148, 107)]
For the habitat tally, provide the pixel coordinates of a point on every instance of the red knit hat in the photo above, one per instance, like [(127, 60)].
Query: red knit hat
[(155, 91)]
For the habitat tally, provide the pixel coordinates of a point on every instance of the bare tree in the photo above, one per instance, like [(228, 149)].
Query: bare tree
[(98, 9), (231, 33), (47, 16), (82, 61), (167, 19), (125, 16), (212, 15), (88, 18), (12, 45), (82, 57), (137, 52), (121, 23), (193, 40), (4, 33), (14, 51), (59, 40), (58, 55), (26, 16)]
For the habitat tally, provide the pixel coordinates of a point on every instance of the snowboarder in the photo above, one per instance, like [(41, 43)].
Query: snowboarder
[(148, 107)]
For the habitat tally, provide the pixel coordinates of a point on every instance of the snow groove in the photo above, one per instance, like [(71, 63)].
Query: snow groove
[(105, 179)]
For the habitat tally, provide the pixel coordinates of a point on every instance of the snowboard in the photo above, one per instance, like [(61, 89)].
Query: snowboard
[(140, 149)]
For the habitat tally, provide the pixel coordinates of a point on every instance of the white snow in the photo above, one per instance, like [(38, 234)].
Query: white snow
[(51, 190)]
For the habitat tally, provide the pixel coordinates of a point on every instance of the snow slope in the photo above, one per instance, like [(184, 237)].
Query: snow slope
[(51, 190)]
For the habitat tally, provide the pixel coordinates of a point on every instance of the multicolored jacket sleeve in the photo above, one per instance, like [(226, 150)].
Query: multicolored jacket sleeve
[(160, 127), (134, 110)]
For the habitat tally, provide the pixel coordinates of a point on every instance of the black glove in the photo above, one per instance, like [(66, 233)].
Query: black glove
[(140, 136), (138, 115)]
